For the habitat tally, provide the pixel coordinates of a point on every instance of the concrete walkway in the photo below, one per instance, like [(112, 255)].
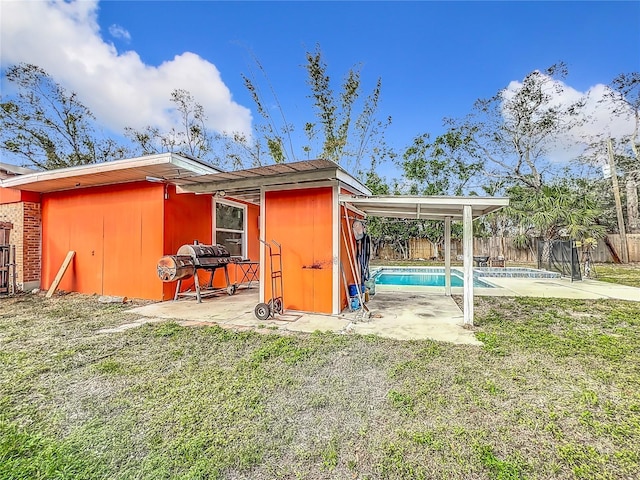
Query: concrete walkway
[(560, 288), (536, 287)]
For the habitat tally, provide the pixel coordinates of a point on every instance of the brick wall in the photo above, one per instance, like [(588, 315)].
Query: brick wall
[(32, 243), (26, 236)]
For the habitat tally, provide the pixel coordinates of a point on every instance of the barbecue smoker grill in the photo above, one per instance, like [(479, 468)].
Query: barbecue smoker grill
[(193, 258)]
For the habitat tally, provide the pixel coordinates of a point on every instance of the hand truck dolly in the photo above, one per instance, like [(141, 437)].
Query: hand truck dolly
[(275, 306)]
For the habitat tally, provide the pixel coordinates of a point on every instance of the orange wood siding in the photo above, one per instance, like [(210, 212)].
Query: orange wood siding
[(12, 195), (253, 232), (117, 234), (301, 220)]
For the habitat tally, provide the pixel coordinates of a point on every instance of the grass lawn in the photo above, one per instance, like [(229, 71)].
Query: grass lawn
[(628, 274), (554, 393)]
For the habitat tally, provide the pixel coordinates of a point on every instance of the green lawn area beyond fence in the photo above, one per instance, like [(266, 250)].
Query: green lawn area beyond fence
[(623, 274), (554, 393)]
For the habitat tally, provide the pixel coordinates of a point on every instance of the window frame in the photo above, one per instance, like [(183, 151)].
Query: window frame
[(243, 232)]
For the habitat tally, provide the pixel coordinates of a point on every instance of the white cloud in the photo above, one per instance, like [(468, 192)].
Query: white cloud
[(118, 31), (601, 121), (63, 37)]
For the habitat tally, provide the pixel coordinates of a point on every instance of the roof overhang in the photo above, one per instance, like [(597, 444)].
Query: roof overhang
[(8, 170), (164, 167), (423, 207), (247, 184)]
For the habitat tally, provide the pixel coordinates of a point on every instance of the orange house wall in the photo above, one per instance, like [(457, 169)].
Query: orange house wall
[(253, 232), (117, 234), (301, 220), (12, 195)]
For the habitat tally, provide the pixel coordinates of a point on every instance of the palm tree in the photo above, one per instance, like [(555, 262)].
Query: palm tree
[(554, 212)]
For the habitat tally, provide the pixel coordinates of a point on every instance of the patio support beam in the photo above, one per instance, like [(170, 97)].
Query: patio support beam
[(467, 240), (447, 256), (263, 222)]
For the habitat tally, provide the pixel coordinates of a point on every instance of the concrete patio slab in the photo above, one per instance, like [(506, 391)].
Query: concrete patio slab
[(405, 313), (401, 315), (408, 316)]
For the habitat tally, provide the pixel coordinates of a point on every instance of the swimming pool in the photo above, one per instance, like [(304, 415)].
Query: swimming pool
[(423, 277)]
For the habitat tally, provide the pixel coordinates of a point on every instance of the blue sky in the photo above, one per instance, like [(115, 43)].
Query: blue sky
[(434, 58)]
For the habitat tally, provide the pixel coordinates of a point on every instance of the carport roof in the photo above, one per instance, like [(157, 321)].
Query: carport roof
[(423, 207), (247, 184)]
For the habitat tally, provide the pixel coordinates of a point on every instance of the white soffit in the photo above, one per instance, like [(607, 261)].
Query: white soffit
[(165, 167), (423, 207)]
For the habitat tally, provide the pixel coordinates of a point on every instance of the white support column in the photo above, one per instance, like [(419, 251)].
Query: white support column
[(261, 234), (467, 240), (447, 256)]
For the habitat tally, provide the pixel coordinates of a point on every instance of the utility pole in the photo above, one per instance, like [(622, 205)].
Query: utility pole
[(616, 194)]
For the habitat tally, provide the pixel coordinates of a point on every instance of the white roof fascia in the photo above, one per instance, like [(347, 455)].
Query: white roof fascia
[(352, 182), (411, 206), (427, 200), (106, 167), (196, 166), (15, 169)]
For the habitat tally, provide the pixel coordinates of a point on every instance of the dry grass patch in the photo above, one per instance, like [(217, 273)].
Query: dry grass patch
[(552, 394)]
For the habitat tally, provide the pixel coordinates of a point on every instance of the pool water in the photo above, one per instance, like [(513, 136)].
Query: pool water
[(423, 279), (428, 280)]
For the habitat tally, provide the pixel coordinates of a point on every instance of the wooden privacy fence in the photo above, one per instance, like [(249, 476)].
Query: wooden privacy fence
[(421, 248), (602, 253)]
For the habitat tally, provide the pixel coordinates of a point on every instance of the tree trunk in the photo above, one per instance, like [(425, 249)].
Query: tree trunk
[(633, 216), (434, 249), (405, 249), (500, 234)]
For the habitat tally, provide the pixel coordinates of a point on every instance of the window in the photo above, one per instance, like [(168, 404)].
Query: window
[(230, 224)]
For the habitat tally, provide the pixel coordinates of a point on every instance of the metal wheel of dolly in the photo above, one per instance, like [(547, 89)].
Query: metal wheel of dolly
[(262, 311), (266, 310)]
